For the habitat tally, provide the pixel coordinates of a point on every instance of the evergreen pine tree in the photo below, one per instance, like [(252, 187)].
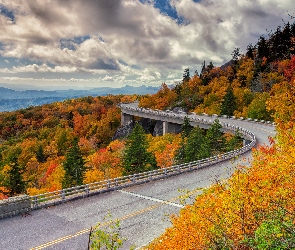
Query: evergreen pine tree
[(236, 54), (196, 73), (16, 184), (234, 142), (205, 73), (205, 150), (215, 138), (186, 127), (228, 105), (186, 75), (136, 158), (62, 143), (196, 146), (262, 47), (74, 166), (180, 153), (40, 154), (13, 180), (70, 119), (250, 51), (185, 131)]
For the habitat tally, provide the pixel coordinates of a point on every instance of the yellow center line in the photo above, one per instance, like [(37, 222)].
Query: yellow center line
[(271, 132), (265, 130), (87, 230)]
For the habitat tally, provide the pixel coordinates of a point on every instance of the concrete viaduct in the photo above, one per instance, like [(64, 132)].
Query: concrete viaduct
[(171, 120)]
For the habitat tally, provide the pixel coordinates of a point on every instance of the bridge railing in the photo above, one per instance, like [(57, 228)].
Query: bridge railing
[(68, 194), (183, 114)]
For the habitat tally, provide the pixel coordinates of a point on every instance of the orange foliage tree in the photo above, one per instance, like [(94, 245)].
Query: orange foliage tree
[(105, 163), (164, 148), (253, 209), (161, 100)]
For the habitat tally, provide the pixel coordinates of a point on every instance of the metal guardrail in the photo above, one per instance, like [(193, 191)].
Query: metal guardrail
[(65, 195), (198, 119)]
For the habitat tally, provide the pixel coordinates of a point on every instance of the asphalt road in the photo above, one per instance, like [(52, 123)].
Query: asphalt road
[(141, 209)]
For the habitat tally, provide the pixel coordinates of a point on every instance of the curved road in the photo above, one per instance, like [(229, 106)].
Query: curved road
[(143, 210)]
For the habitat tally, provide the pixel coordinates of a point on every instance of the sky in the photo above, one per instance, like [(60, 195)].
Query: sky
[(82, 44)]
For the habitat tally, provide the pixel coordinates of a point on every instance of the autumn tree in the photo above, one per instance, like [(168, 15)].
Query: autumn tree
[(161, 100), (246, 71), (136, 157), (54, 176), (213, 94), (164, 148), (62, 142), (74, 166), (105, 163), (45, 134)]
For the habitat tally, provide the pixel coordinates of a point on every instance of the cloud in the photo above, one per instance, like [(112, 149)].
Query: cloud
[(109, 36)]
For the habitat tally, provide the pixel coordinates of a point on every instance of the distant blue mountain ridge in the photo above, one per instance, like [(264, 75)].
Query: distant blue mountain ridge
[(14, 99)]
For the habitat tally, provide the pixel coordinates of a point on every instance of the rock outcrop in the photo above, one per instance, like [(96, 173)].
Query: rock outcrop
[(123, 131)]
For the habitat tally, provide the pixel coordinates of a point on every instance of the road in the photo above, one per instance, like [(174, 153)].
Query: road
[(142, 210)]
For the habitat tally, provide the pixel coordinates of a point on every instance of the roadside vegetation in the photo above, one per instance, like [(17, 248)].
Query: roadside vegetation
[(255, 208), (68, 143)]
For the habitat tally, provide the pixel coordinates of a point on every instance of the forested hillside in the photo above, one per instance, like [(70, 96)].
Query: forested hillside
[(242, 87), (255, 208), (70, 143), (36, 141)]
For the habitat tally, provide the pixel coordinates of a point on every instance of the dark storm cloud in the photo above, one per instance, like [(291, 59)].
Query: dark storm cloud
[(101, 16), (255, 13), (145, 49), (109, 64), (44, 12), (210, 39)]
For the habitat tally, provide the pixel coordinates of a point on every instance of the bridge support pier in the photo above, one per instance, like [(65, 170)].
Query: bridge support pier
[(165, 128), (169, 127), (125, 119)]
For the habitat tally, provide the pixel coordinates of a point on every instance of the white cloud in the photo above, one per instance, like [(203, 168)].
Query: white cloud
[(5, 70), (44, 33)]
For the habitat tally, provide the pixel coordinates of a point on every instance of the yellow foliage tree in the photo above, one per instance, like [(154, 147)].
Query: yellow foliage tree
[(164, 148), (255, 202), (161, 100), (245, 73), (105, 163)]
